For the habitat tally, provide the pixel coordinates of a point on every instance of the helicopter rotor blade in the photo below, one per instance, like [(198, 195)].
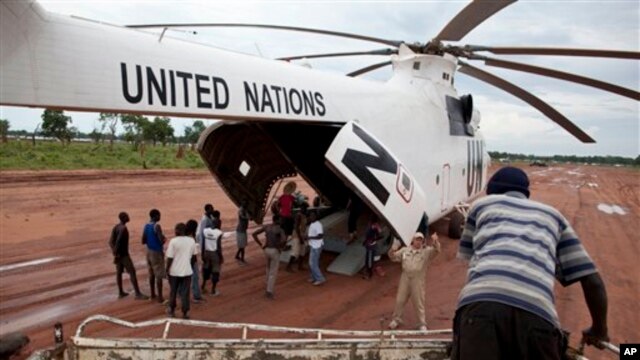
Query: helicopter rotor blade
[(470, 17), (274, 27), (354, 53), (561, 75), (368, 68), (529, 98), (556, 51)]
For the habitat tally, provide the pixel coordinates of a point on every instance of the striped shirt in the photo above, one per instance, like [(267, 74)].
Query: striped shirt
[(516, 248)]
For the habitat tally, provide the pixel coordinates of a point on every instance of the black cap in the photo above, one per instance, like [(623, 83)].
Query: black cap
[(508, 179)]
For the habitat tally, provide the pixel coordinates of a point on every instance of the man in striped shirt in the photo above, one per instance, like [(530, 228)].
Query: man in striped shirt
[(516, 247)]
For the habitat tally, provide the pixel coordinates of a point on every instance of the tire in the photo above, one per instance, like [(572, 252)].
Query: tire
[(456, 224)]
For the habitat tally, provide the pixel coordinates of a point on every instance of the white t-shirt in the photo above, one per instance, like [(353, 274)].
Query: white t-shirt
[(211, 238), (181, 249), (315, 229)]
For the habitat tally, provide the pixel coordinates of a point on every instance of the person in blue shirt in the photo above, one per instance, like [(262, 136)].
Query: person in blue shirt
[(191, 229), (370, 241), (154, 239)]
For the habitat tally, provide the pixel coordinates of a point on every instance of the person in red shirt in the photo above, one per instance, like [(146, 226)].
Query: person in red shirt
[(285, 208)]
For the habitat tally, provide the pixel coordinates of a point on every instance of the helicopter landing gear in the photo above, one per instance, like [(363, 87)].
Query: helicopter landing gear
[(457, 220)]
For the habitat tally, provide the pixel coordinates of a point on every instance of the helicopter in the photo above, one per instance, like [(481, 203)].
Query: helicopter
[(410, 148)]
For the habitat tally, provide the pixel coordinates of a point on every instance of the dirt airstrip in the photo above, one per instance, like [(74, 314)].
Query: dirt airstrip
[(55, 264)]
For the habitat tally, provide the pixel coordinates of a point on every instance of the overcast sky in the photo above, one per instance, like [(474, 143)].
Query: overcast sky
[(508, 123)]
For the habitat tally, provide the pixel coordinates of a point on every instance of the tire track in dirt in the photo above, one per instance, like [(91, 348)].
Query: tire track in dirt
[(599, 232)]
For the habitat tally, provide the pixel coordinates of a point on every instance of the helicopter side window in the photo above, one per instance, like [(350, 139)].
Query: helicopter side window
[(459, 112)]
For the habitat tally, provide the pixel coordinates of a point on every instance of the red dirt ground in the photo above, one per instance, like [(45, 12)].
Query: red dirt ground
[(68, 216)]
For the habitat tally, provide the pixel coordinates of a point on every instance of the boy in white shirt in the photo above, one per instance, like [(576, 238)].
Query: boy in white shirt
[(181, 255), (316, 243), (212, 257)]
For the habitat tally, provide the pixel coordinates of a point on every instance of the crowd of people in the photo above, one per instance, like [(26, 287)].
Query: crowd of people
[(176, 259), (515, 246)]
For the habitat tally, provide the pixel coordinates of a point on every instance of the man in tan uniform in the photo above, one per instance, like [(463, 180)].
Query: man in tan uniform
[(414, 259)]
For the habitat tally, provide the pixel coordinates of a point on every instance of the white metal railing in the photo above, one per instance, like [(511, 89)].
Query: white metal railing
[(320, 336), (245, 327)]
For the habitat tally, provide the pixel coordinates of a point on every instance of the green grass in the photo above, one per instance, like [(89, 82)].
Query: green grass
[(50, 155)]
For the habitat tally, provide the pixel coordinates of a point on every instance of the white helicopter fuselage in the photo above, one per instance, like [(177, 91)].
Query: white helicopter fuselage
[(54, 61)]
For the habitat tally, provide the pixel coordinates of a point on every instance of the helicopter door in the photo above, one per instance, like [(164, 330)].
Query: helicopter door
[(379, 178)]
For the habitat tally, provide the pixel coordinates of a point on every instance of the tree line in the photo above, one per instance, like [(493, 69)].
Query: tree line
[(605, 160), (138, 129)]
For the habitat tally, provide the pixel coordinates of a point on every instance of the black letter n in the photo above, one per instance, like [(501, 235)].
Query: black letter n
[(359, 164)]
